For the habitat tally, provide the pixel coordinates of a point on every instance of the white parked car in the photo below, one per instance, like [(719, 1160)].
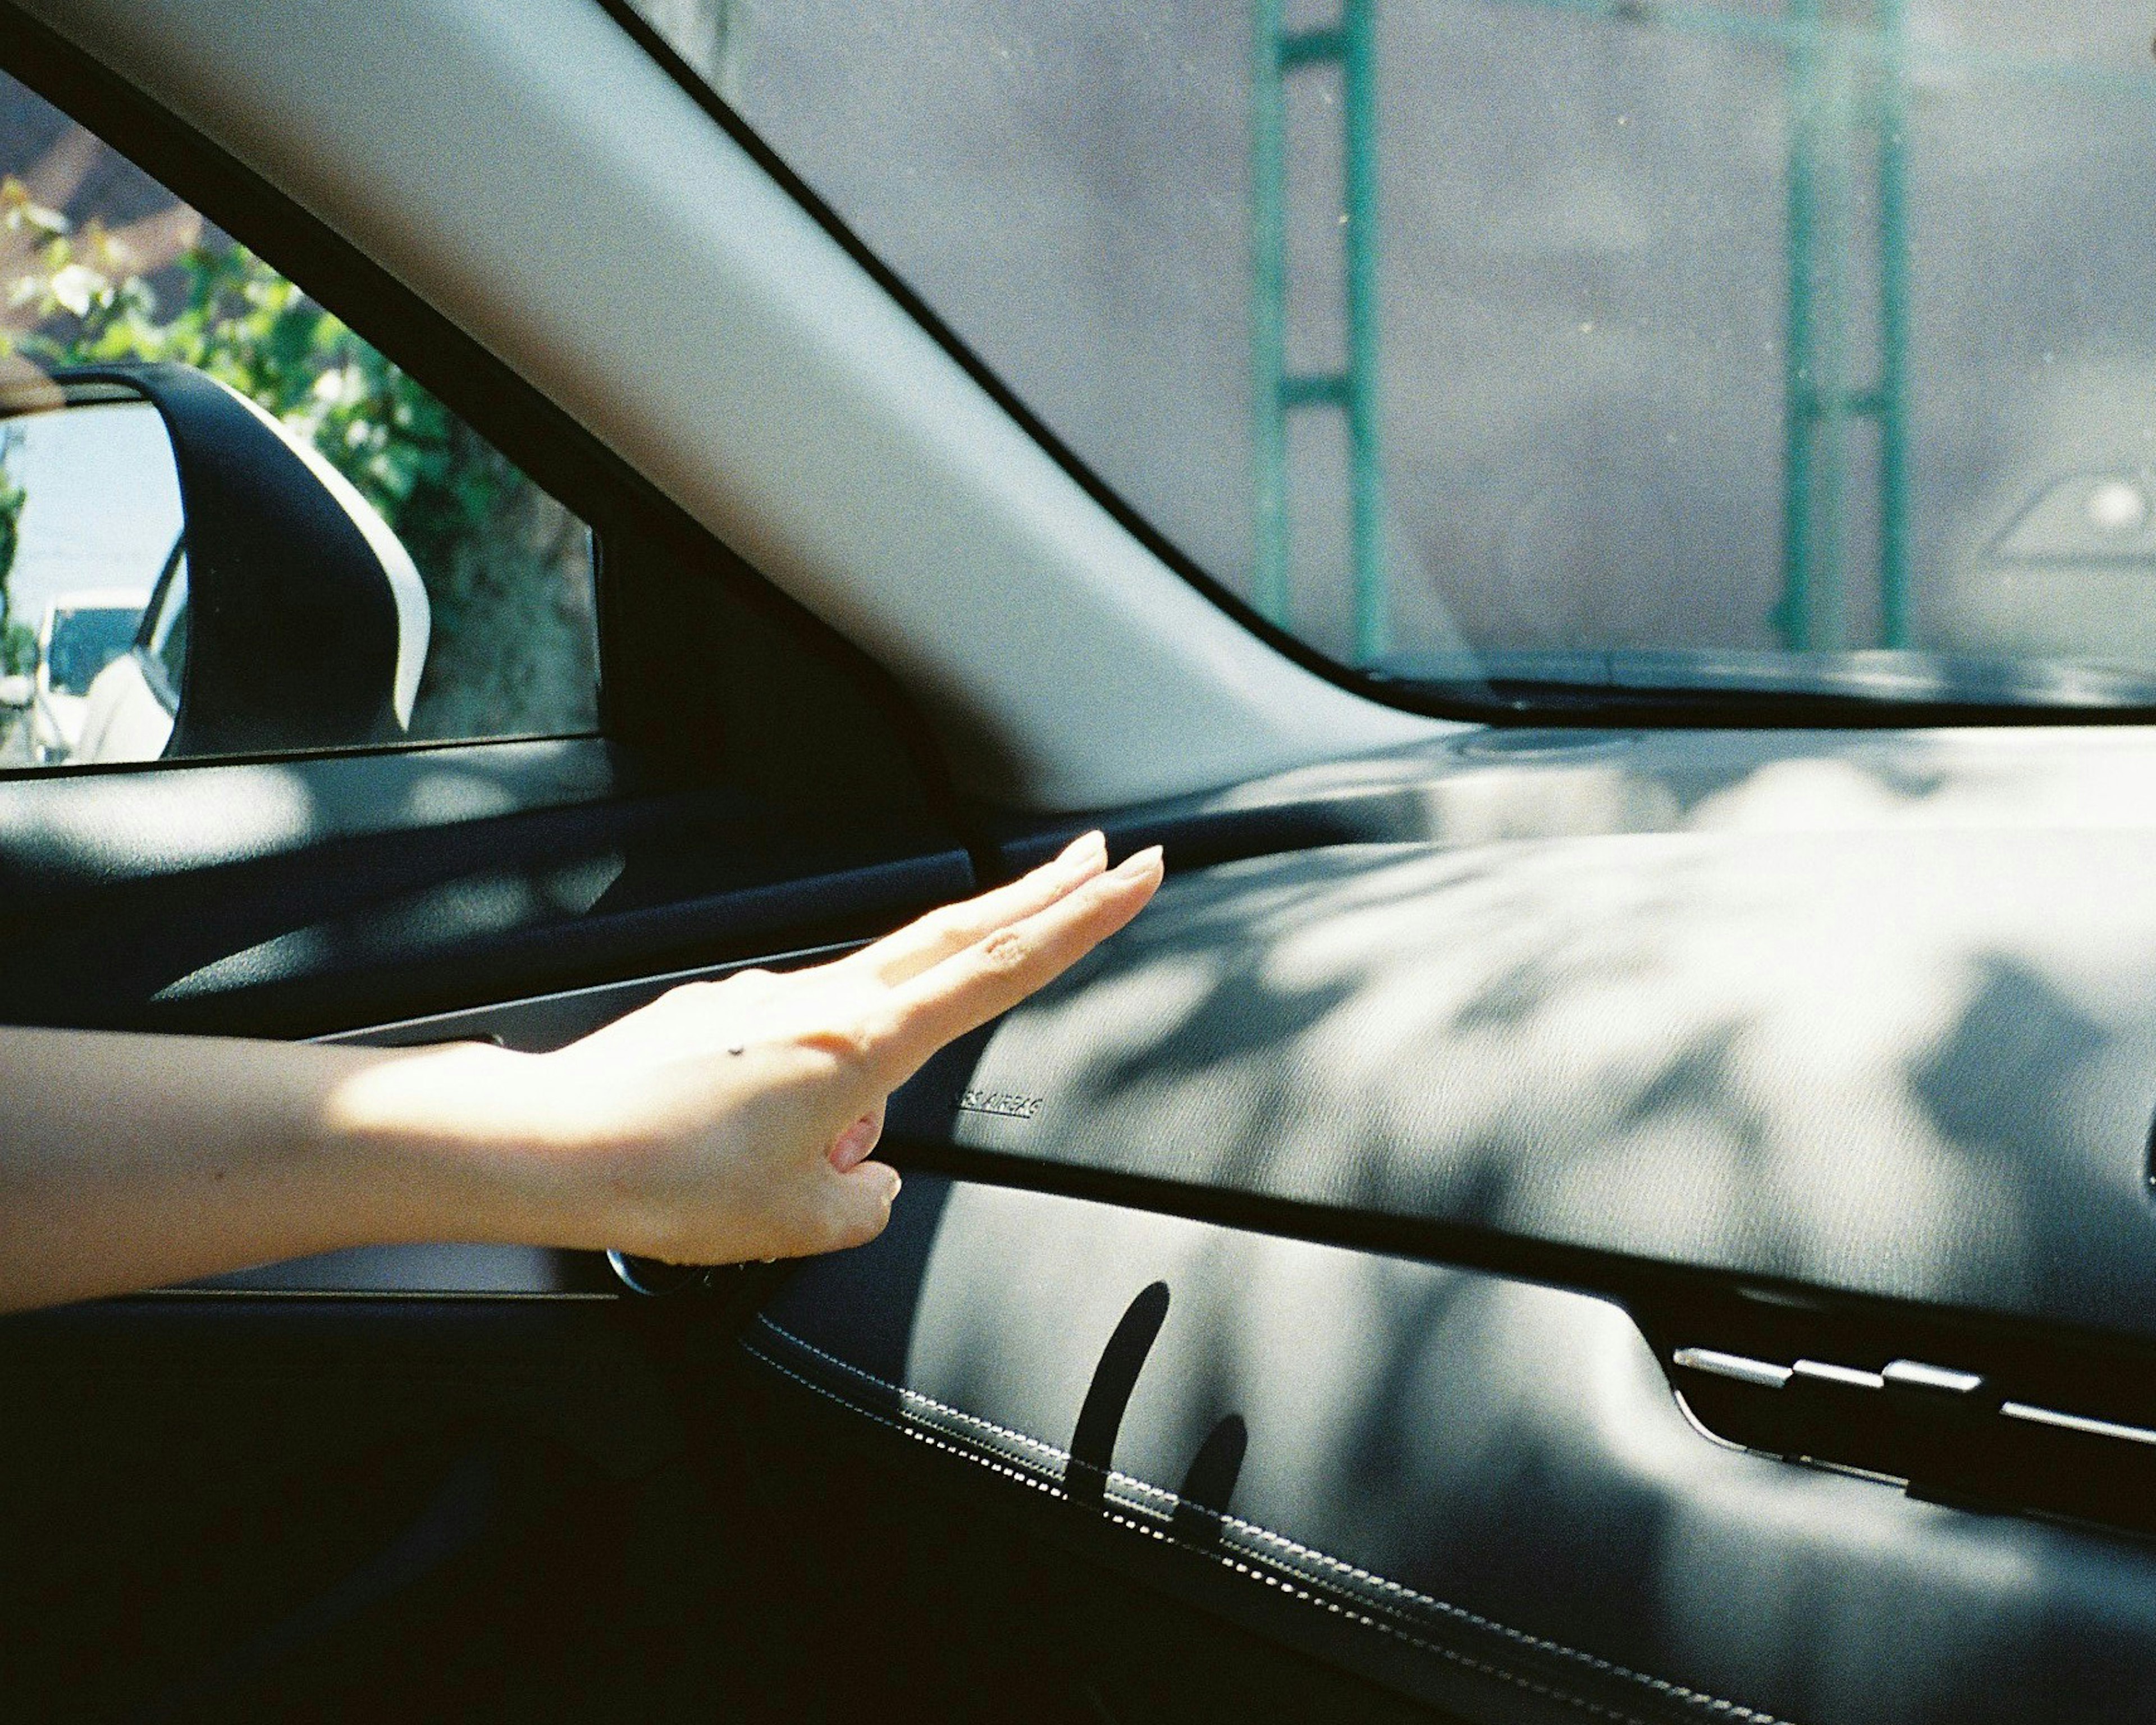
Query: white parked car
[(80, 634), (129, 711)]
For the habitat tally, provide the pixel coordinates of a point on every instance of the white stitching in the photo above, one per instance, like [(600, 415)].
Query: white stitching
[(1380, 1625), (910, 1398), (907, 1397)]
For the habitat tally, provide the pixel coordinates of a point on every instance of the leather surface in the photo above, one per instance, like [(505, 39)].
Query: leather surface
[(1476, 1488), (1910, 1062)]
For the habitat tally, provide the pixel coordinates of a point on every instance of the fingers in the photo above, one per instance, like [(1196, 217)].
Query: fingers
[(994, 974), (795, 1172), (933, 938)]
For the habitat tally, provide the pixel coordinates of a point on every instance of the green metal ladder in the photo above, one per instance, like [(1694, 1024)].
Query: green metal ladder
[(1844, 81), (1352, 391)]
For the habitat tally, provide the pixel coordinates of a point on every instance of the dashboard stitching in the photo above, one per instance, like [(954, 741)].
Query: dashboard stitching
[(912, 1396), (909, 1398), (1466, 1660)]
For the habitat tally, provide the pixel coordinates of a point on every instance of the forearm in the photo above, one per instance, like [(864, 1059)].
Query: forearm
[(130, 1161)]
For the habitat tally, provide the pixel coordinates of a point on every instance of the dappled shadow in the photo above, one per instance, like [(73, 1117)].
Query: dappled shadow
[(1917, 1062), (2019, 1045), (1873, 1050), (1511, 1449)]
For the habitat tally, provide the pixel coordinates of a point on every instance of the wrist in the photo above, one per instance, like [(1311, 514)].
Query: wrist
[(465, 1141)]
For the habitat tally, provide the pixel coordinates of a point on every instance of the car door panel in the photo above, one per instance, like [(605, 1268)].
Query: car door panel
[(451, 1480), (434, 1478), (237, 1497), (300, 897)]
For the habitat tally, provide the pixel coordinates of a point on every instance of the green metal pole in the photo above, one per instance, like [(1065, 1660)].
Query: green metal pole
[(1359, 101), (1833, 398), (1268, 314), (1802, 387), (1893, 118)]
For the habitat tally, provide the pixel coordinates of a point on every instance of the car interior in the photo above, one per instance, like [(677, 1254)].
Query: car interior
[(1581, 1199)]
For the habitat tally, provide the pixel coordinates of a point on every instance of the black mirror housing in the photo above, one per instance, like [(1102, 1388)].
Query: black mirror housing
[(307, 621)]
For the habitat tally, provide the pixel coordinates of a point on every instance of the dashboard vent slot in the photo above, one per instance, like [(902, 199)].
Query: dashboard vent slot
[(2062, 1429)]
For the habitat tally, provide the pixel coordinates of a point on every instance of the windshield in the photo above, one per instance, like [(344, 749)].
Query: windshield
[(1780, 347), (85, 642)]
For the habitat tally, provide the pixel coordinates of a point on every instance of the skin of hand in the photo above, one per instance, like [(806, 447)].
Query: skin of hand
[(726, 1120)]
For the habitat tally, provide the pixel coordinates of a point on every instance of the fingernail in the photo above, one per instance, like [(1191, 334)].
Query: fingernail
[(853, 1146), (1086, 844), (1140, 862)]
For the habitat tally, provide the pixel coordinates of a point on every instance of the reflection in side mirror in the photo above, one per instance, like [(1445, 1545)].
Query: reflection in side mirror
[(91, 497), (205, 584)]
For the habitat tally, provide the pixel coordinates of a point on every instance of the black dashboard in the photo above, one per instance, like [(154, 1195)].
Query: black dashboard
[(1653, 1226)]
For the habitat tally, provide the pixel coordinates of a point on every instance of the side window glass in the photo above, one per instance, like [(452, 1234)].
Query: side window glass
[(228, 525)]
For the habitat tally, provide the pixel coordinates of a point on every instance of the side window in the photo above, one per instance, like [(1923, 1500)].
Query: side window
[(228, 524)]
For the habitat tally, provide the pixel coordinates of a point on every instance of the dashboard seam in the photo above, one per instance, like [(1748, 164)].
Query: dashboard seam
[(1284, 1550), (1466, 1661)]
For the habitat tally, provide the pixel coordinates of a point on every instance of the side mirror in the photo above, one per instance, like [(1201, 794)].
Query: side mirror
[(17, 692), (285, 617)]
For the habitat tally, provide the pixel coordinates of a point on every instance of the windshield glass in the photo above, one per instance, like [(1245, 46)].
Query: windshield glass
[(85, 642), (1782, 347)]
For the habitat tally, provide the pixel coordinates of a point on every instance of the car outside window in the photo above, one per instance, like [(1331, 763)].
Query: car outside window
[(1766, 348)]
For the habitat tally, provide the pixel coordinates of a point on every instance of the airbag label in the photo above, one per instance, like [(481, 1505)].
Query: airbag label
[(1000, 1102)]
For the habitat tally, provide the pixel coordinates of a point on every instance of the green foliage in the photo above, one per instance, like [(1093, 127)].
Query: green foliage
[(248, 326)]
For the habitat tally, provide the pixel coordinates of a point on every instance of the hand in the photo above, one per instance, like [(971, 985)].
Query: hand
[(726, 1120), (735, 1119)]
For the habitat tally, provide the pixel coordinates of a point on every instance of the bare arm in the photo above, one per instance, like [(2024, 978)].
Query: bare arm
[(724, 1121)]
